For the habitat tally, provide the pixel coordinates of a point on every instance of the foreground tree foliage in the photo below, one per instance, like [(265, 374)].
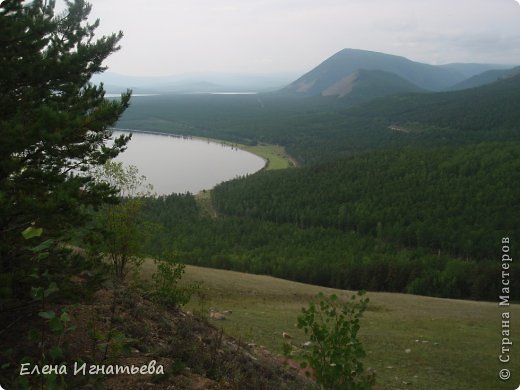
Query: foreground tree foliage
[(54, 124), (54, 128), (117, 234)]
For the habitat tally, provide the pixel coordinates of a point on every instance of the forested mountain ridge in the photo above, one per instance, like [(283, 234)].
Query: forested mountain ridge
[(470, 69), (490, 106), (486, 113), (317, 129)]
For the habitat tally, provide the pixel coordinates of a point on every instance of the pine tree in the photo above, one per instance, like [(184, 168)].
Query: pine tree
[(54, 123)]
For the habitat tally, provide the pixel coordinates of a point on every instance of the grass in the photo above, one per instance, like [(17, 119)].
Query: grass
[(412, 342), (275, 155)]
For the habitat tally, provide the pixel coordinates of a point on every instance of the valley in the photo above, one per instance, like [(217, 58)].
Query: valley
[(362, 172), (400, 190), (419, 209)]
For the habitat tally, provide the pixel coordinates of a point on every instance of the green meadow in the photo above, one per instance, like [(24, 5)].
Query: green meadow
[(412, 342)]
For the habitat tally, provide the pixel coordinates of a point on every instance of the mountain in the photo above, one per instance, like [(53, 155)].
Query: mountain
[(193, 82), (367, 84), (341, 65), (468, 70), (156, 89), (484, 78)]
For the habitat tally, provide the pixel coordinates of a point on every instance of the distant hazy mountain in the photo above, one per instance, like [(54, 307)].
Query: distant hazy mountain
[(347, 61), (467, 70), (196, 82), (484, 78), (336, 74)]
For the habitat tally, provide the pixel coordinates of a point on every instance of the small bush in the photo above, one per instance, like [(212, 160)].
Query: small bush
[(336, 351), (166, 289)]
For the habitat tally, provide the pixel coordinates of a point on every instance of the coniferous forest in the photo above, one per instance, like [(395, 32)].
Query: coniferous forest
[(431, 226), (409, 193)]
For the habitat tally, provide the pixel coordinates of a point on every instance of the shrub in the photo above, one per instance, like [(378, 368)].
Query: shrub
[(166, 289), (335, 353)]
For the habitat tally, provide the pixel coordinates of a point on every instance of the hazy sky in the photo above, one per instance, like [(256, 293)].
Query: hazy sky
[(164, 37)]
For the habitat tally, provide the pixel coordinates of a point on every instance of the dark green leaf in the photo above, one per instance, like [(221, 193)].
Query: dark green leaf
[(53, 287), (55, 352), (43, 246), (55, 325)]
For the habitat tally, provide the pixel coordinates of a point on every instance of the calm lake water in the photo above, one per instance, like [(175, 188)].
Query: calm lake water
[(180, 165)]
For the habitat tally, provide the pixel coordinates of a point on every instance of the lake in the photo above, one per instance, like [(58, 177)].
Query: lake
[(175, 164)]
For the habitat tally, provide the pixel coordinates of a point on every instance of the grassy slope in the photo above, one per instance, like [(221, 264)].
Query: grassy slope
[(275, 155), (454, 344)]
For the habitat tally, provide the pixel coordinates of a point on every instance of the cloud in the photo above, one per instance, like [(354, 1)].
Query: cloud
[(176, 36)]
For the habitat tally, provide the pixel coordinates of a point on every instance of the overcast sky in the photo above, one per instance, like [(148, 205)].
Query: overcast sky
[(165, 37)]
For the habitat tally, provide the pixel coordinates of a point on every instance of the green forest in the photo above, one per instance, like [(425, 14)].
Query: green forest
[(432, 225), (407, 193), (444, 199)]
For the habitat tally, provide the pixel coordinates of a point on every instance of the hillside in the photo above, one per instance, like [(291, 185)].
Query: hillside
[(124, 326), (468, 70), (411, 341), (484, 78), (462, 211), (492, 106), (363, 85), (342, 64), (487, 113), (359, 222), (456, 211)]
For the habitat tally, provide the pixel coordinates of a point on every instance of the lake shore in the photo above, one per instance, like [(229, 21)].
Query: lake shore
[(275, 156), (193, 164)]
